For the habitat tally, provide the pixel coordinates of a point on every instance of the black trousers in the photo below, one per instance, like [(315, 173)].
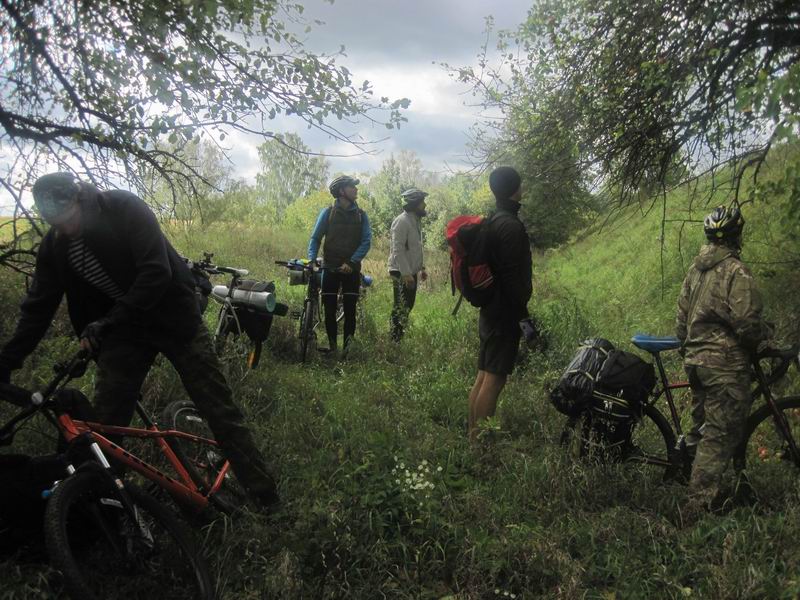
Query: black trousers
[(332, 282), (122, 365), (404, 298)]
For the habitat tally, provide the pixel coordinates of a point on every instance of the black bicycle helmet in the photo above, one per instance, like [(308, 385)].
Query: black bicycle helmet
[(723, 223), (340, 182)]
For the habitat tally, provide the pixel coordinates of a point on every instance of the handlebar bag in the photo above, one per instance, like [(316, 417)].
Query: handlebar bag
[(255, 324), (574, 389)]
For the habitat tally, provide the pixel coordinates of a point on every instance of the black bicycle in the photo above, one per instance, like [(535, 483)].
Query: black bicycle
[(767, 457), (302, 272), (247, 306)]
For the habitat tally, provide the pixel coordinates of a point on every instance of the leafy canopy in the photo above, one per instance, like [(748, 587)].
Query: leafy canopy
[(646, 94), (103, 87), (289, 171)]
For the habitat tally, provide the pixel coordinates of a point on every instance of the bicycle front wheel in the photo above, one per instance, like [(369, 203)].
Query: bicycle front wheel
[(764, 455), (226, 326), (307, 333), (105, 553)]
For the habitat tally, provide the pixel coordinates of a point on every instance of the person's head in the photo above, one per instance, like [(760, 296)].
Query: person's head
[(506, 184), (344, 187), (56, 196), (724, 226), (414, 201)]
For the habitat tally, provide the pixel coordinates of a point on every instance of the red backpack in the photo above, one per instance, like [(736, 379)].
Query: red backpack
[(470, 272)]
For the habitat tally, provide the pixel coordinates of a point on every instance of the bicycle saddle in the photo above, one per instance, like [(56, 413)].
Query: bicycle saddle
[(655, 344)]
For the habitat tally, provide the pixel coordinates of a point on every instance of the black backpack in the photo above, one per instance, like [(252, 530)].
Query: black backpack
[(573, 392)]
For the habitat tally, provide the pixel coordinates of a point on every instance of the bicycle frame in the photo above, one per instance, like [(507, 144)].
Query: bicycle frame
[(183, 491), (666, 390), (763, 388), (226, 310)]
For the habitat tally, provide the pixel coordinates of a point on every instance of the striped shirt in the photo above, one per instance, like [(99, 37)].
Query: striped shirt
[(83, 261)]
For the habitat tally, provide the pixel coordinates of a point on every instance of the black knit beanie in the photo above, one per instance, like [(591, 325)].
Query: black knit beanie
[(504, 182)]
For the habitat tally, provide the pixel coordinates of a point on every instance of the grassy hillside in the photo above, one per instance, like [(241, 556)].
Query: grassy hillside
[(513, 517)]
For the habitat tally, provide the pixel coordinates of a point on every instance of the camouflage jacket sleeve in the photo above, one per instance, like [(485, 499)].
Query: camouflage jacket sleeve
[(746, 307), (683, 310)]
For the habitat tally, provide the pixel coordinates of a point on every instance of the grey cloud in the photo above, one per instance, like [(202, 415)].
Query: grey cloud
[(410, 31)]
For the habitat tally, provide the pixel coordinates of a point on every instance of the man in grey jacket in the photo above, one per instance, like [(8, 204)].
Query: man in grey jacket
[(405, 258)]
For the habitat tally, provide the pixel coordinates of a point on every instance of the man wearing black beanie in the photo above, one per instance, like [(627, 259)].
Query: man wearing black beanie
[(509, 257)]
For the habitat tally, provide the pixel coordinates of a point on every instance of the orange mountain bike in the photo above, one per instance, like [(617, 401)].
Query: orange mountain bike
[(109, 538)]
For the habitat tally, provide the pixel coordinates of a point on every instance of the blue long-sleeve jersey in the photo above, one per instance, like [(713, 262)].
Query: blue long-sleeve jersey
[(321, 229)]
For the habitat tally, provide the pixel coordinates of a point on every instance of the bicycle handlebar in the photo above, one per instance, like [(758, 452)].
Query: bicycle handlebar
[(64, 373), (296, 265), (32, 402), (210, 268), (787, 356), (784, 353)]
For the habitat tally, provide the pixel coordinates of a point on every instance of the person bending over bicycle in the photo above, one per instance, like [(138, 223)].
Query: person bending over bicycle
[(130, 296), (345, 228), (720, 325)]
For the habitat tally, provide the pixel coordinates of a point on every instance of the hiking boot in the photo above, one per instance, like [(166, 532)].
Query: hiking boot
[(348, 346)]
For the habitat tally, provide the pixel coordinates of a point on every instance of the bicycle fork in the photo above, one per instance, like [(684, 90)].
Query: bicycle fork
[(778, 417), (121, 497)]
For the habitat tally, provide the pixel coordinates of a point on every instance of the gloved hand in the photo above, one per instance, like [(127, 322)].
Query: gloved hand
[(92, 335), (529, 330)]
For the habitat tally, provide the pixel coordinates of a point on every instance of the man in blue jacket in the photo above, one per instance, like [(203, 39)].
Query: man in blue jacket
[(130, 296), (347, 234)]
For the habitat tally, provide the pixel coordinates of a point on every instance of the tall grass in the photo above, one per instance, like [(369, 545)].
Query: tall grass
[(384, 497)]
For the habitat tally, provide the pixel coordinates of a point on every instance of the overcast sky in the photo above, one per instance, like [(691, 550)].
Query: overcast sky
[(398, 47)]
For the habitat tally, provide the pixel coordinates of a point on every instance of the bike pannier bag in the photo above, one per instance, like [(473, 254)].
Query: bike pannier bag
[(626, 376), (574, 390)]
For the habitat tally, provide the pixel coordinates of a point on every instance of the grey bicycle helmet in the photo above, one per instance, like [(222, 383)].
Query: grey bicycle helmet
[(723, 223), (340, 182), (412, 197), (54, 193)]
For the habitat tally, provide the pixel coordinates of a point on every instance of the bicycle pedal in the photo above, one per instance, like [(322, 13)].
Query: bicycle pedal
[(296, 314)]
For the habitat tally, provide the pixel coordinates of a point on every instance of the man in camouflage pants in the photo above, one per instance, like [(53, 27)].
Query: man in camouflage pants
[(720, 326)]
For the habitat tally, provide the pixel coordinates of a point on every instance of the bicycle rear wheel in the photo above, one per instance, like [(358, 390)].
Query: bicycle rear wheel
[(202, 461), (764, 455), (106, 553), (651, 441)]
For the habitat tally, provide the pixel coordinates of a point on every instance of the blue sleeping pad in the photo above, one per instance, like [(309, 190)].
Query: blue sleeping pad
[(655, 344)]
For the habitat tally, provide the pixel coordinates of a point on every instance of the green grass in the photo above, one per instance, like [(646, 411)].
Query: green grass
[(511, 516)]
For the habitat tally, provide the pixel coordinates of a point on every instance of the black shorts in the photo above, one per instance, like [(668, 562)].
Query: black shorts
[(499, 345)]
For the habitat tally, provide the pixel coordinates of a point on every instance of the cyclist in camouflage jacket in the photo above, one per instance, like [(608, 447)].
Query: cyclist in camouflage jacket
[(720, 325)]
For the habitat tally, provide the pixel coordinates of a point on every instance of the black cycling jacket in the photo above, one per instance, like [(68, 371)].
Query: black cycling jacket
[(511, 264), (124, 235)]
